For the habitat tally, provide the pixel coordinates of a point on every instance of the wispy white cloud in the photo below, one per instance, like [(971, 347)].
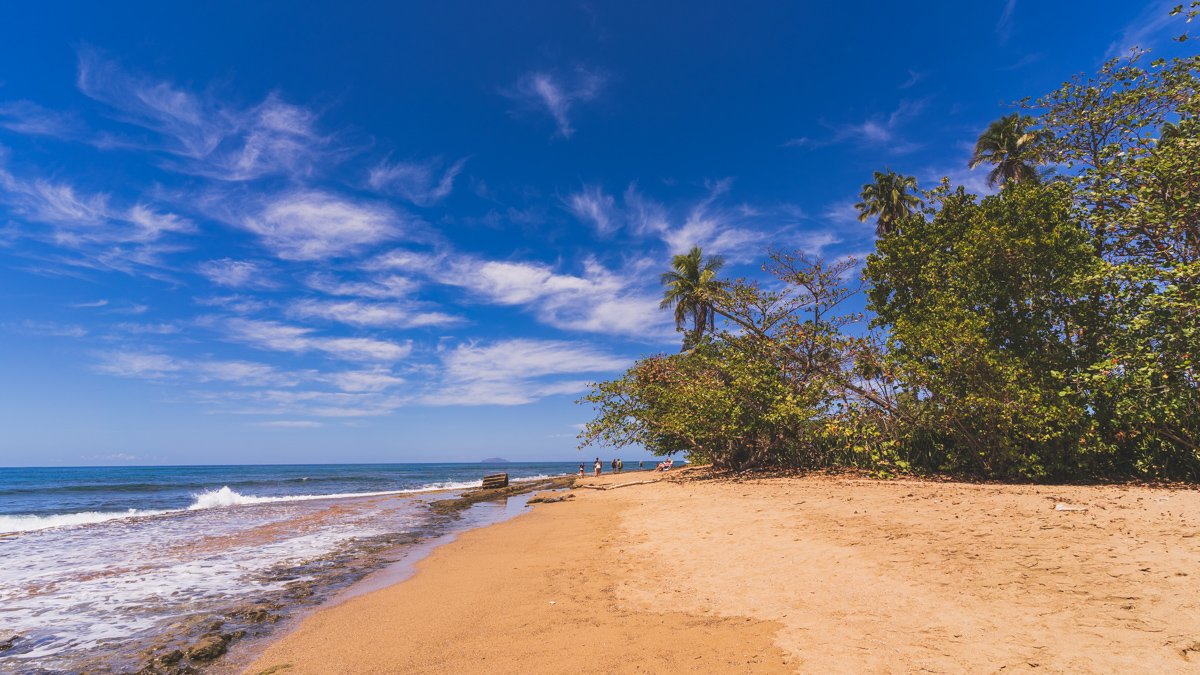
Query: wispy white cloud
[(815, 242), (356, 381), (558, 94), (29, 118), (238, 304), (149, 366), (290, 424), (90, 227), (137, 328), (260, 388), (238, 273), (1024, 61), (316, 225), (49, 328), (728, 230), (913, 78), (879, 131), (713, 229), (276, 336), (841, 212), (114, 457), (383, 287), (598, 301), (423, 183), (646, 216), (882, 130), (592, 205), (304, 403), (202, 135), (716, 228), (135, 309), (243, 373), (1004, 25), (515, 372), (372, 314), (155, 365), (92, 304)]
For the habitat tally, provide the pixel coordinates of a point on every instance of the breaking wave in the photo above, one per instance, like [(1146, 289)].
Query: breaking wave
[(27, 523), (224, 497)]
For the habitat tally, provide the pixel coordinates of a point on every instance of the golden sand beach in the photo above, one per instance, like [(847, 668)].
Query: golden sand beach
[(816, 574)]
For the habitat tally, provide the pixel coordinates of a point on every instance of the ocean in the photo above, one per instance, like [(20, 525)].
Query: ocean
[(105, 568)]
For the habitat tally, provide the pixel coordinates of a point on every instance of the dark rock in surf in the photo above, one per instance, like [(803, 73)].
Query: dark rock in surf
[(255, 614), (208, 648)]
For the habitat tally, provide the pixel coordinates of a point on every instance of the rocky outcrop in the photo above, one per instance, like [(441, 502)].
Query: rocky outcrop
[(466, 499)]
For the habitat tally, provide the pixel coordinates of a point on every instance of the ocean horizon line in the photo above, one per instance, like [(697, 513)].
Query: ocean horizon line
[(279, 464)]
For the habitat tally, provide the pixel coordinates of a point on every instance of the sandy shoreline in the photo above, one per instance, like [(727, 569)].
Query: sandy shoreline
[(810, 574)]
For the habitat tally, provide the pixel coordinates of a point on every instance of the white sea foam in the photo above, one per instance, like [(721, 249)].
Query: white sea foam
[(228, 497), (28, 523), (71, 590), (223, 497)]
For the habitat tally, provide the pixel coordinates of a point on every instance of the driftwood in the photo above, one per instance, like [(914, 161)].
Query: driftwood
[(618, 485), (550, 499)]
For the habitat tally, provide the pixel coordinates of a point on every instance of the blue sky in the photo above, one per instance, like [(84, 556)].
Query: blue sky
[(253, 232)]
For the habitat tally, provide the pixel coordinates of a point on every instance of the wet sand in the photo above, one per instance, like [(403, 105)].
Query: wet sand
[(815, 574)]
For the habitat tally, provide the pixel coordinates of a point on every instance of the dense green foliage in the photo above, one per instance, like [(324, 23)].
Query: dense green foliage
[(981, 302), (1050, 331)]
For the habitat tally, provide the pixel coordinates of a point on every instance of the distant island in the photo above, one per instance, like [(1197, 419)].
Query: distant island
[(494, 460)]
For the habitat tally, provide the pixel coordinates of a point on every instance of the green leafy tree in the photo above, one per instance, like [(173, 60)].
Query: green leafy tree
[(889, 199), (1130, 134), (980, 302), (690, 286), (755, 395), (725, 402), (1013, 148)]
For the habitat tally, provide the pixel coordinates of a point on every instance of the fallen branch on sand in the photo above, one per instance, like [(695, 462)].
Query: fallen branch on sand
[(550, 499), (614, 487)]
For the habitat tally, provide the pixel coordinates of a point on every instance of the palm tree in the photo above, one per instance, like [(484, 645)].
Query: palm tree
[(690, 285), (890, 198), (1014, 149)]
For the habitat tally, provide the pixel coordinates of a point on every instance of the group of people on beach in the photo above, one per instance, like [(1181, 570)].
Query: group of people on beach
[(618, 466)]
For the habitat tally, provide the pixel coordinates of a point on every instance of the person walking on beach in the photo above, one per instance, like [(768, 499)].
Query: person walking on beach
[(598, 466), (620, 465), (613, 465), (581, 469)]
